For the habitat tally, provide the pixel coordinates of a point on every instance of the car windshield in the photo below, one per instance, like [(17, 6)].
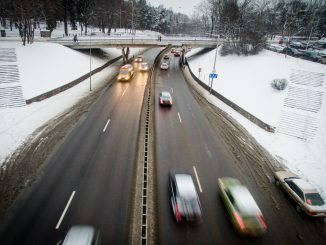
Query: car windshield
[(124, 72), (314, 199)]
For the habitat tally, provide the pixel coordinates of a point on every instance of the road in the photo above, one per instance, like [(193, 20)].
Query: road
[(88, 180), (189, 138)]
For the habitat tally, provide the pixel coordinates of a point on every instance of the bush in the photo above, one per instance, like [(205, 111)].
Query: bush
[(279, 84)]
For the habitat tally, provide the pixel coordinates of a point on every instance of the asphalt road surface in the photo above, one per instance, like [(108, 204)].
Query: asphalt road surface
[(88, 178), (187, 140)]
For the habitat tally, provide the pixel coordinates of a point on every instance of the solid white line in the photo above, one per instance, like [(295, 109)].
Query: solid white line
[(106, 125), (179, 117), (65, 210), (123, 93), (172, 90), (200, 189)]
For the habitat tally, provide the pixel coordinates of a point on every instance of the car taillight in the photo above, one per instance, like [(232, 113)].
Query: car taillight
[(262, 221), (239, 220), (170, 102), (161, 101), (312, 213), (177, 210)]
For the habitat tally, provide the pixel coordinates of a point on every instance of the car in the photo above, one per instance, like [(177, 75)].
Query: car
[(184, 199), (139, 59), (143, 66), (166, 57), (173, 50), (126, 72), (291, 51), (322, 59), (310, 55), (164, 66), (245, 215), (82, 235), (177, 54), (305, 196), (165, 98)]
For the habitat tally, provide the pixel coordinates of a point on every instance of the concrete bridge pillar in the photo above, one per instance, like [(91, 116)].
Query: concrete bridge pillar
[(125, 54)]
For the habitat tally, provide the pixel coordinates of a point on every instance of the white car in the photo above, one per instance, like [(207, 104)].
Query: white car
[(303, 193), (143, 66), (164, 66)]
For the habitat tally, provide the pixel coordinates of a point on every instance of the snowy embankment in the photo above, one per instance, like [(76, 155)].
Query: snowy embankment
[(44, 67), (298, 113)]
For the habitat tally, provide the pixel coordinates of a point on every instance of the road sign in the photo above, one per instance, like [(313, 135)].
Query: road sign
[(213, 75)]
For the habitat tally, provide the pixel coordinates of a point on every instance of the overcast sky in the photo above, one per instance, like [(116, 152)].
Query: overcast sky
[(186, 6)]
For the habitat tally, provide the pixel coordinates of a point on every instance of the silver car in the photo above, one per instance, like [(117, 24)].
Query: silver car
[(184, 199), (303, 193), (82, 235)]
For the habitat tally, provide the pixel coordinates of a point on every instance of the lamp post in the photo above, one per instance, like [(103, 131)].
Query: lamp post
[(214, 69), (90, 60)]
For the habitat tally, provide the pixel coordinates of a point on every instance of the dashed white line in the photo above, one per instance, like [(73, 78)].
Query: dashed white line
[(124, 91), (198, 182), (172, 90), (106, 125), (65, 210), (179, 117)]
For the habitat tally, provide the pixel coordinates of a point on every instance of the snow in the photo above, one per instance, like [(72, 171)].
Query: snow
[(246, 80)]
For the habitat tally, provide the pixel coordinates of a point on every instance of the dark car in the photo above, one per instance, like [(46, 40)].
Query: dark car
[(177, 54), (291, 51), (184, 199), (165, 98), (310, 55)]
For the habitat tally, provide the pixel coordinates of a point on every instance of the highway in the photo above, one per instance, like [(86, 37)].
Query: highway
[(187, 140), (88, 180)]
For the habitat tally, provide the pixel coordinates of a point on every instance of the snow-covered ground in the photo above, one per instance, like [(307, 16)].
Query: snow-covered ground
[(298, 113)]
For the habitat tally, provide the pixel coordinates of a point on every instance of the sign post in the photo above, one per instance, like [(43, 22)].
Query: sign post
[(212, 76)]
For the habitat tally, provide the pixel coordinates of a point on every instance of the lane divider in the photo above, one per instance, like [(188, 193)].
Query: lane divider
[(179, 117), (198, 182), (106, 125), (124, 91), (65, 210)]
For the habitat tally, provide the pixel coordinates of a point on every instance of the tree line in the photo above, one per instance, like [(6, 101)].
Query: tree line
[(107, 15), (247, 23)]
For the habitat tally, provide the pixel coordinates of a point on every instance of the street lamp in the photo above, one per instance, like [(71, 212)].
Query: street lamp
[(214, 69), (90, 60)]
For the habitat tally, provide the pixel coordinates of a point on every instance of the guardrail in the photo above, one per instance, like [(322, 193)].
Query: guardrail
[(96, 42)]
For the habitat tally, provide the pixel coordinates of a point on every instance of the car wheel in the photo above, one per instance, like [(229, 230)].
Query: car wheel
[(298, 208)]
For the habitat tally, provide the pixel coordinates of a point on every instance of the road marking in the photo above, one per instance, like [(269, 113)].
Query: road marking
[(106, 125), (200, 189), (172, 90), (179, 117), (124, 91), (65, 210)]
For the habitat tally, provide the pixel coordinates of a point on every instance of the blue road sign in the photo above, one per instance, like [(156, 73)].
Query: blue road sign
[(212, 75)]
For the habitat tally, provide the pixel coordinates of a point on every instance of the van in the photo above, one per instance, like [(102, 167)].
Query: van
[(126, 72)]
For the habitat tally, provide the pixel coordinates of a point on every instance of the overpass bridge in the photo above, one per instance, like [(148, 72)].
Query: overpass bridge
[(93, 42)]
